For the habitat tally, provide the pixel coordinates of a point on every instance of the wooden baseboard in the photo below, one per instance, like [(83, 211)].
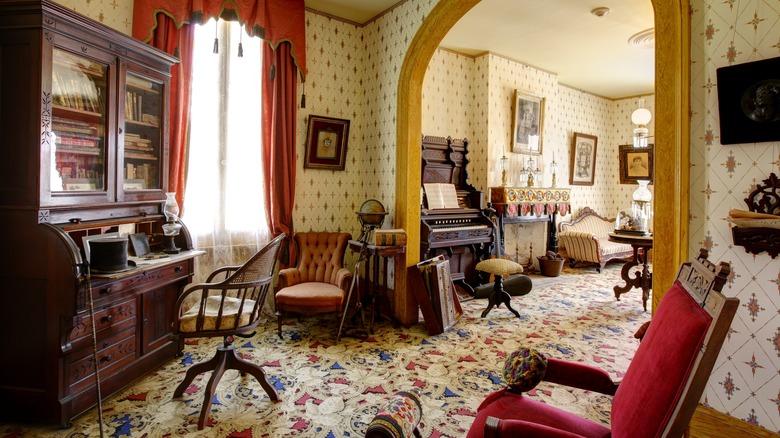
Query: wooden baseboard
[(709, 423)]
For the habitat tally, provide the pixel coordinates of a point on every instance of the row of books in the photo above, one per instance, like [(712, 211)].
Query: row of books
[(69, 89), (146, 172), (136, 143), (134, 109)]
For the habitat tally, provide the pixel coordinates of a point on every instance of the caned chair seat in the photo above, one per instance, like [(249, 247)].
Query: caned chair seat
[(231, 308)]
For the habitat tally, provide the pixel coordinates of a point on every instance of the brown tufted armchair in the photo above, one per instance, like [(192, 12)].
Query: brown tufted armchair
[(319, 284)]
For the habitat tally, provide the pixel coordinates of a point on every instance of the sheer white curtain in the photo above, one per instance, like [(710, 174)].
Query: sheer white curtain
[(224, 207)]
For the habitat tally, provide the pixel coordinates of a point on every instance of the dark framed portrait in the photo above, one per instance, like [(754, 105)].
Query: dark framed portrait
[(326, 143), (527, 124), (582, 167), (635, 163), (749, 102)]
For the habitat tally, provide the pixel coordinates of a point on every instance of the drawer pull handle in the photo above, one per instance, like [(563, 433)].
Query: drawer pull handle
[(178, 269), (108, 358), (105, 345), (108, 318), (106, 291)]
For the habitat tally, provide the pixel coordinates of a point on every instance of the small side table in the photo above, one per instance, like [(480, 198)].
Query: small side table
[(643, 279), (374, 279)]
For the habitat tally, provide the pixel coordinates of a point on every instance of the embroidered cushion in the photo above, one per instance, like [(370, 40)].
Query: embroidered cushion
[(524, 369), (499, 267), (398, 418)]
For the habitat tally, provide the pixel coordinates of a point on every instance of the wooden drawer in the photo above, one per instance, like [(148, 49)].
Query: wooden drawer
[(140, 278), (108, 320), (113, 353)]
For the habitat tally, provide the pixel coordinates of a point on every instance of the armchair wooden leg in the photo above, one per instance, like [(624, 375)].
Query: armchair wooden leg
[(226, 358), (279, 324), (245, 367), (211, 387), (193, 372)]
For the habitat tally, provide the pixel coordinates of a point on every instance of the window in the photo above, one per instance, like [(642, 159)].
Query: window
[(224, 205)]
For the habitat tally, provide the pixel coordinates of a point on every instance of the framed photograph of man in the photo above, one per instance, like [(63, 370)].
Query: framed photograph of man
[(635, 163), (582, 167), (527, 123), (326, 143)]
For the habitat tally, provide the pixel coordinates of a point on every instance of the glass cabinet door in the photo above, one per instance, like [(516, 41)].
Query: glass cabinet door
[(142, 133), (78, 124)]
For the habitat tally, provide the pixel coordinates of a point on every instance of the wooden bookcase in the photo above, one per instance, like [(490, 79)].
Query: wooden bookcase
[(80, 104)]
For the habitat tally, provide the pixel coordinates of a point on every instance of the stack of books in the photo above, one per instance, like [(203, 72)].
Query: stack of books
[(394, 237)]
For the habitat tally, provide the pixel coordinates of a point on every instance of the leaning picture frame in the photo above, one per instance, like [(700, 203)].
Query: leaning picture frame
[(635, 163), (326, 143), (582, 165), (527, 123)]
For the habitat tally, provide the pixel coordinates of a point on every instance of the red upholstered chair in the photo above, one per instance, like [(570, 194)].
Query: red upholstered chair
[(320, 283), (663, 383)]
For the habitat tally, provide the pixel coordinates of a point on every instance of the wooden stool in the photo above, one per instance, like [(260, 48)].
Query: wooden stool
[(499, 268)]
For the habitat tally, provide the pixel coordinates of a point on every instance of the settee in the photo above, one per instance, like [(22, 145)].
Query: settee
[(586, 238)]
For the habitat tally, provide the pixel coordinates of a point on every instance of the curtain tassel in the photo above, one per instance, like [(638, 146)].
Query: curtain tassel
[(240, 45), (216, 40), (273, 72), (176, 52), (303, 96)]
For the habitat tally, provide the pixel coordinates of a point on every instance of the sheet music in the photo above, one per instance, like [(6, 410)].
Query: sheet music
[(441, 196)]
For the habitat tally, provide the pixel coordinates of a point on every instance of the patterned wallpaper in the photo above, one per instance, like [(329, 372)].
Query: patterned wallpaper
[(473, 97), (746, 379), (354, 74)]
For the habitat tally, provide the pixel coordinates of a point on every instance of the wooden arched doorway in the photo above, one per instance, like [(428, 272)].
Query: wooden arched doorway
[(672, 82)]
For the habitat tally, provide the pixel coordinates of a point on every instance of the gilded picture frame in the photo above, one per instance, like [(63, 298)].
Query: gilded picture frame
[(326, 143), (527, 123), (582, 165)]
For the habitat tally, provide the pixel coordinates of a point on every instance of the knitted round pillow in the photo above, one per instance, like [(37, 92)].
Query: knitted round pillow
[(524, 369)]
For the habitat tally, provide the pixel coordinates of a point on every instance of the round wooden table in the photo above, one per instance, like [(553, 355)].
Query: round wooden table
[(643, 279)]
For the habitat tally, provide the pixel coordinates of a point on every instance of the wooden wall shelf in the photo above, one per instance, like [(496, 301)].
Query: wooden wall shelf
[(764, 199)]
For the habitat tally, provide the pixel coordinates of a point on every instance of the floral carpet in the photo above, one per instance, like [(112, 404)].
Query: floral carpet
[(330, 389)]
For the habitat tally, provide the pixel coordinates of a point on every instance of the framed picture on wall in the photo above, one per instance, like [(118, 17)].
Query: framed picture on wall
[(527, 124), (749, 102), (582, 167), (326, 143), (635, 163)]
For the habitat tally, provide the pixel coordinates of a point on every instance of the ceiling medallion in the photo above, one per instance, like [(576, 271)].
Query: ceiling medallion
[(644, 39), (600, 12)]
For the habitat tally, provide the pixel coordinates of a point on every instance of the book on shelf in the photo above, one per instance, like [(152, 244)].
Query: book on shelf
[(392, 237)]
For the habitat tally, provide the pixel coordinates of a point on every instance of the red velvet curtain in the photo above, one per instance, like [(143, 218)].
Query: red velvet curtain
[(272, 20), (279, 22), (169, 39), (279, 117)]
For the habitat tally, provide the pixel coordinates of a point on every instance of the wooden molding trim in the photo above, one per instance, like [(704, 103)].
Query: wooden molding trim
[(708, 422)]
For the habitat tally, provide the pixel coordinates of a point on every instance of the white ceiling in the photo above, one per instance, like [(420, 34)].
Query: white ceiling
[(560, 36)]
